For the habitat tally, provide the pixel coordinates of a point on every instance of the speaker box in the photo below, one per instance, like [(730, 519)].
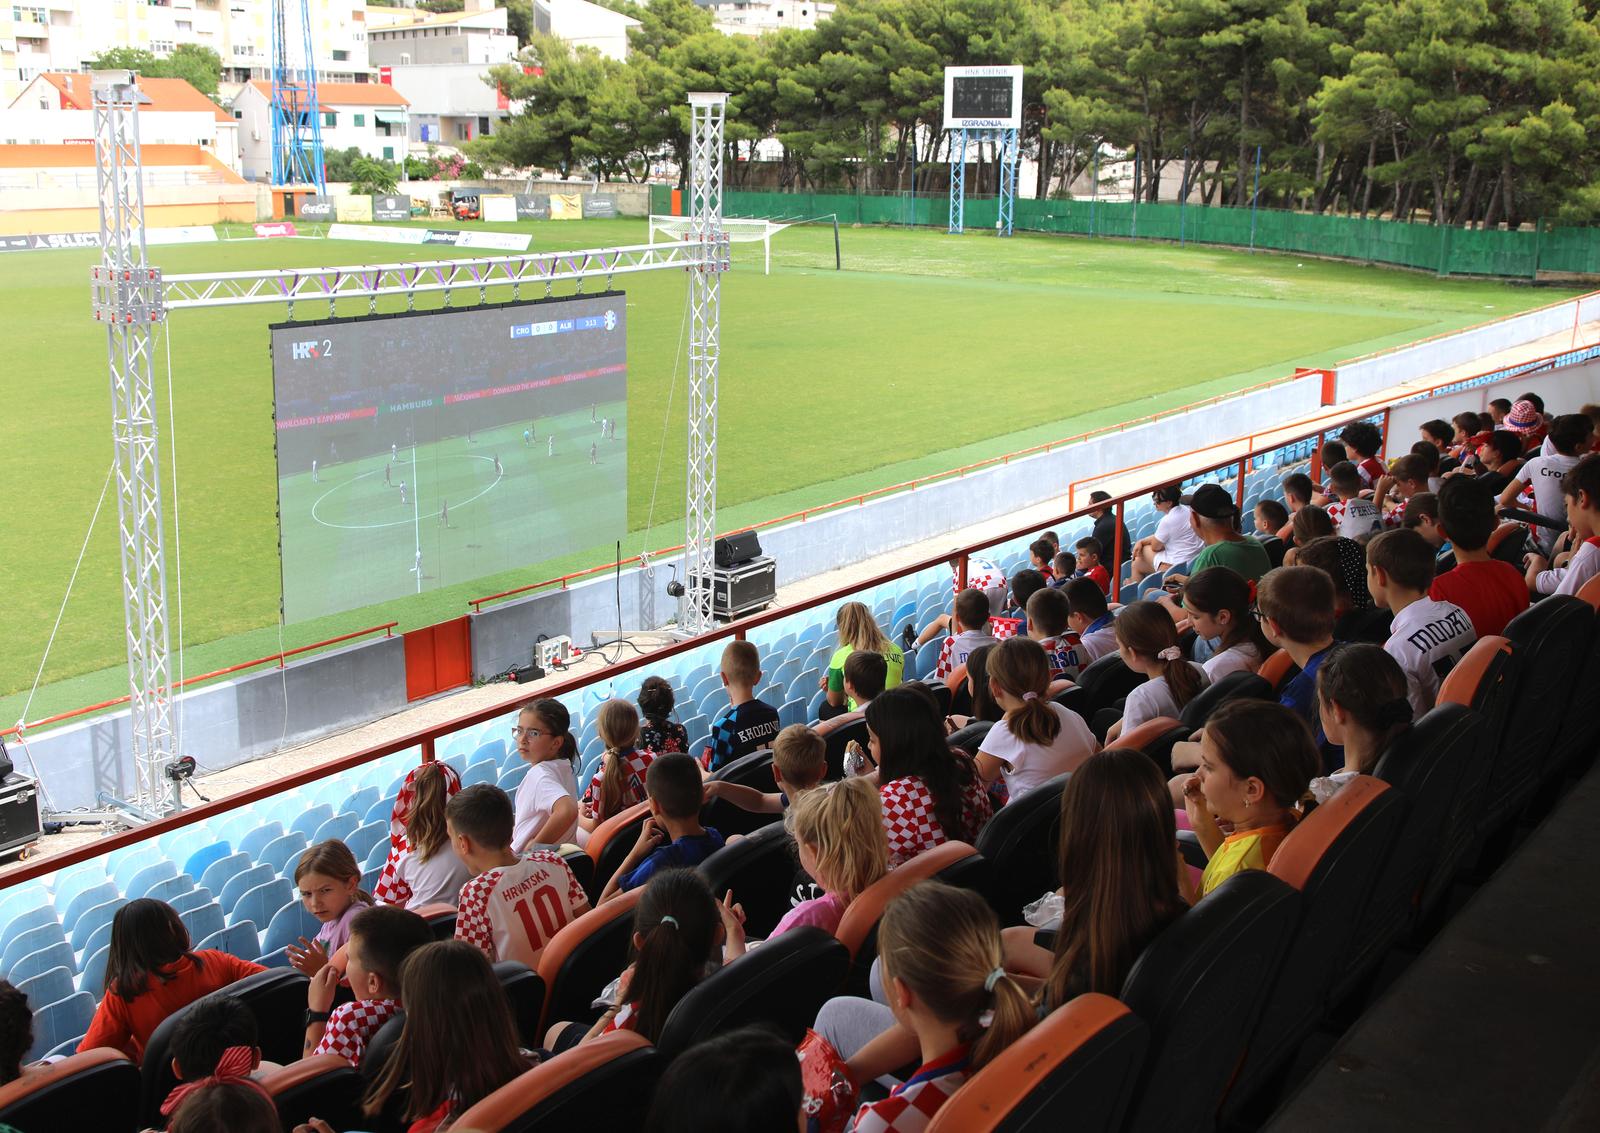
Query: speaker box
[(740, 547), (5, 761)]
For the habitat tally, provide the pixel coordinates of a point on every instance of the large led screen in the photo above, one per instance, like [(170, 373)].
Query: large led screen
[(421, 450)]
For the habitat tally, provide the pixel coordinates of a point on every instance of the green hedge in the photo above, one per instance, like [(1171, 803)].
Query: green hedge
[(1447, 251)]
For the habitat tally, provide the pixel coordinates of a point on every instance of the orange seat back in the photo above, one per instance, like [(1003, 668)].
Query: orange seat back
[(1465, 684), (1590, 592), (503, 1107), (601, 836), (298, 1073), (864, 912), (1275, 669), (957, 677), (572, 936), (1298, 854), (1500, 534), (1147, 733)]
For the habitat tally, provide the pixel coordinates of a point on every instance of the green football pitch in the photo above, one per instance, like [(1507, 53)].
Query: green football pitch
[(927, 352)]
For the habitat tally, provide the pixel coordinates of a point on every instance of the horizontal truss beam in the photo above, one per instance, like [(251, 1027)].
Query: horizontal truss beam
[(372, 281)]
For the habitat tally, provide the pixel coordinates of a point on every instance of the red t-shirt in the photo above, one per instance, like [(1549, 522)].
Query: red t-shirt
[(1491, 593), (126, 1025)]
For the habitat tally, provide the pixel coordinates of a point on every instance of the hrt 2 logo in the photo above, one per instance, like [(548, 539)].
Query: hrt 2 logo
[(314, 348)]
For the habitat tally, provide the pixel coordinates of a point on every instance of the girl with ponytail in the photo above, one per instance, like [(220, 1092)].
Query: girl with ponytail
[(547, 797), (1037, 739), (1218, 601), (1147, 640), (951, 1006), (1362, 697), (681, 933), (620, 782)]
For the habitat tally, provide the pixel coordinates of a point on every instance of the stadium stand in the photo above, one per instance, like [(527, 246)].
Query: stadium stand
[(1213, 1013)]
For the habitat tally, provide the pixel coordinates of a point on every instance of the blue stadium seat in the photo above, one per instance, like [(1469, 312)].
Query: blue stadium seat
[(489, 749), (280, 850), (377, 853), (58, 1022), (141, 883), (705, 687), (481, 771), (792, 712), (196, 864), (204, 921), (713, 704), (98, 939), (58, 955), (86, 900), (242, 882), (93, 977), (253, 842), (27, 943), (307, 821), (805, 684), (511, 778), (814, 706), (132, 862), (65, 886), (697, 724), (92, 921), (365, 836), (170, 888), (221, 871), (236, 940), (48, 986), (188, 902), (359, 802), (369, 878), (288, 925), (260, 903), (338, 827), (380, 810)]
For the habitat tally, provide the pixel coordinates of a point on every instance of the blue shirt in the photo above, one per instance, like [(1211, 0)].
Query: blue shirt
[(1300, 696), (681, 853), (740, 730)]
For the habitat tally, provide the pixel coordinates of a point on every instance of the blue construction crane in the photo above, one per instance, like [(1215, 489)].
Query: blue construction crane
[(296, 113)]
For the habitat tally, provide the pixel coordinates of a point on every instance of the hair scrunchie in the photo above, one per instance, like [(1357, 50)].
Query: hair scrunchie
[(234, 1065), (1030, 696), (1170, 653)]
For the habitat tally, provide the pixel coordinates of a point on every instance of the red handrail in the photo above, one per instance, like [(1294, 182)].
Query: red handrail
[(386, 627)]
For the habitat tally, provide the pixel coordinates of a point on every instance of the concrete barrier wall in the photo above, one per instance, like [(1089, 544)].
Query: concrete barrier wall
[(225, 724), (1367, 376), (1563, 390)]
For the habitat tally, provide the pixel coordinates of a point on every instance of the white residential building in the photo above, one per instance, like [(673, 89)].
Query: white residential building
[(583, 24), (370, 116), (63, 35), (401, 36), (57, 109), (450, 102), (757, 17)]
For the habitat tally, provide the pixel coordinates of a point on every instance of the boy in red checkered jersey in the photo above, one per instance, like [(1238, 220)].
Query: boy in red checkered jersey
[(513, 905), (952, 1008), (381, 937)]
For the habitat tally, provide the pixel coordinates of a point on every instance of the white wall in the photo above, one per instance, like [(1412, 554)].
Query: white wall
[(255, 133), (54, 127)]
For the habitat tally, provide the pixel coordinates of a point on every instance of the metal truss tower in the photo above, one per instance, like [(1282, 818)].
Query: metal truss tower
[(708, 112), (128, 299), (296, 113), (1008, 146)]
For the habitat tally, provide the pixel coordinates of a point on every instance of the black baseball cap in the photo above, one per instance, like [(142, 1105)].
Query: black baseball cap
[(1213, 502)]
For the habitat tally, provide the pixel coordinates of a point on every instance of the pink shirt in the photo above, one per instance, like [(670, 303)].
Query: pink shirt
[(825, 912)]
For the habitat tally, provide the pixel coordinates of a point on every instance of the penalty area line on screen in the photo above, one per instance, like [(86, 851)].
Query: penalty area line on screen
[(317, 519)]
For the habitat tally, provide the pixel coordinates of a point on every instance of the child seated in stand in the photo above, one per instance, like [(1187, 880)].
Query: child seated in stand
[(1361, 697), (1427, 637), (216, 1040), (1363, 441), (1492, 592), (839, 839), (1090, 618), (422, 868), (799, 765), (1256, 763), (1089, 552), (380, 940), (1218, 601), (1580, 491), (1048, 614), (1352, 516), (672, 836), (619, 784), (1037, 739), (748, 723), (1147, 639)]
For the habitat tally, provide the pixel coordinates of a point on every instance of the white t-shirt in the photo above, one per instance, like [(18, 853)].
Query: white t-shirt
[(1028, 765), (541, 788), (1581, 567), (511, 912), (1241, 658), (1357, 518), (1427, 638), (1545, 474), (1179, 542), (1154, 698), (1324, 787), (439, 879), (1098, 640)]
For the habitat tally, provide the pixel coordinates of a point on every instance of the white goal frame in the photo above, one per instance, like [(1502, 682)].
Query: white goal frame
[(738, 231)]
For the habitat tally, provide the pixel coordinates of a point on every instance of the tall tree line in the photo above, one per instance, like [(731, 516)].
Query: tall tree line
[(1466, 112)]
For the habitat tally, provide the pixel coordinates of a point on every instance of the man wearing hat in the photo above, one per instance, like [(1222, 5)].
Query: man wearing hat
[(1215, 517)]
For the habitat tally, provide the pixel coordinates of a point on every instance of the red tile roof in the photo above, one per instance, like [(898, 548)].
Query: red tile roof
[(346, 94), (164, 95)]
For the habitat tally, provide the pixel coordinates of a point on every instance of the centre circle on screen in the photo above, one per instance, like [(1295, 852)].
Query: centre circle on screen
[(326, 509)]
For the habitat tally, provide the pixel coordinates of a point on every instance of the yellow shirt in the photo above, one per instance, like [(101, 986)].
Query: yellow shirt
[(1252, 849)]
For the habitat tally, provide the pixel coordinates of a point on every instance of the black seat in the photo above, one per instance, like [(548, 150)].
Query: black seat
[(1234, 686), (1580, 730), (583, 957), (1020, 843), (1547, 638), (324, 1086), (98, 1089), (1370, 625), (524, 990), (604, 1084), (380, 1048), (277, 999), (781, 984), (1482, 680), (1427, 763), (610, 842), (1334, 858), (753, 771), (1274, 548), (1103, 681), (1200, 986), (759, 870)]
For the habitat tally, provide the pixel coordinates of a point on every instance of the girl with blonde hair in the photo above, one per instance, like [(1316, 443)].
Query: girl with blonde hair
[(858, 629)]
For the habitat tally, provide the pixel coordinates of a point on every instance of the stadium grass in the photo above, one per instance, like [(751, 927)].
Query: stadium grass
[(927, 352)]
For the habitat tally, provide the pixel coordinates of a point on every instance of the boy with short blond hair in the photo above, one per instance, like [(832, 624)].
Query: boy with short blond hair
[(748, 723), (799, 765)]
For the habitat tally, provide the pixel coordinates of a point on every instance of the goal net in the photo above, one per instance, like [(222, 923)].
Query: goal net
[(668, 228)]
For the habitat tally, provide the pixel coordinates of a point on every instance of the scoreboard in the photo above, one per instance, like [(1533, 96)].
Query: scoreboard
[(982, 98)]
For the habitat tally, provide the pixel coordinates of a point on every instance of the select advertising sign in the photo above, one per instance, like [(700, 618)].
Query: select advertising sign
[(390, 208), (44, 241), (566, 206)]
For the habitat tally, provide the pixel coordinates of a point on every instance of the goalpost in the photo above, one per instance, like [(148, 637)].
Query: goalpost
[(738, 232)]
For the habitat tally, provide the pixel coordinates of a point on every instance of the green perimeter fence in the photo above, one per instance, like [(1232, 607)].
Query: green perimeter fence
[(1445, 250)]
